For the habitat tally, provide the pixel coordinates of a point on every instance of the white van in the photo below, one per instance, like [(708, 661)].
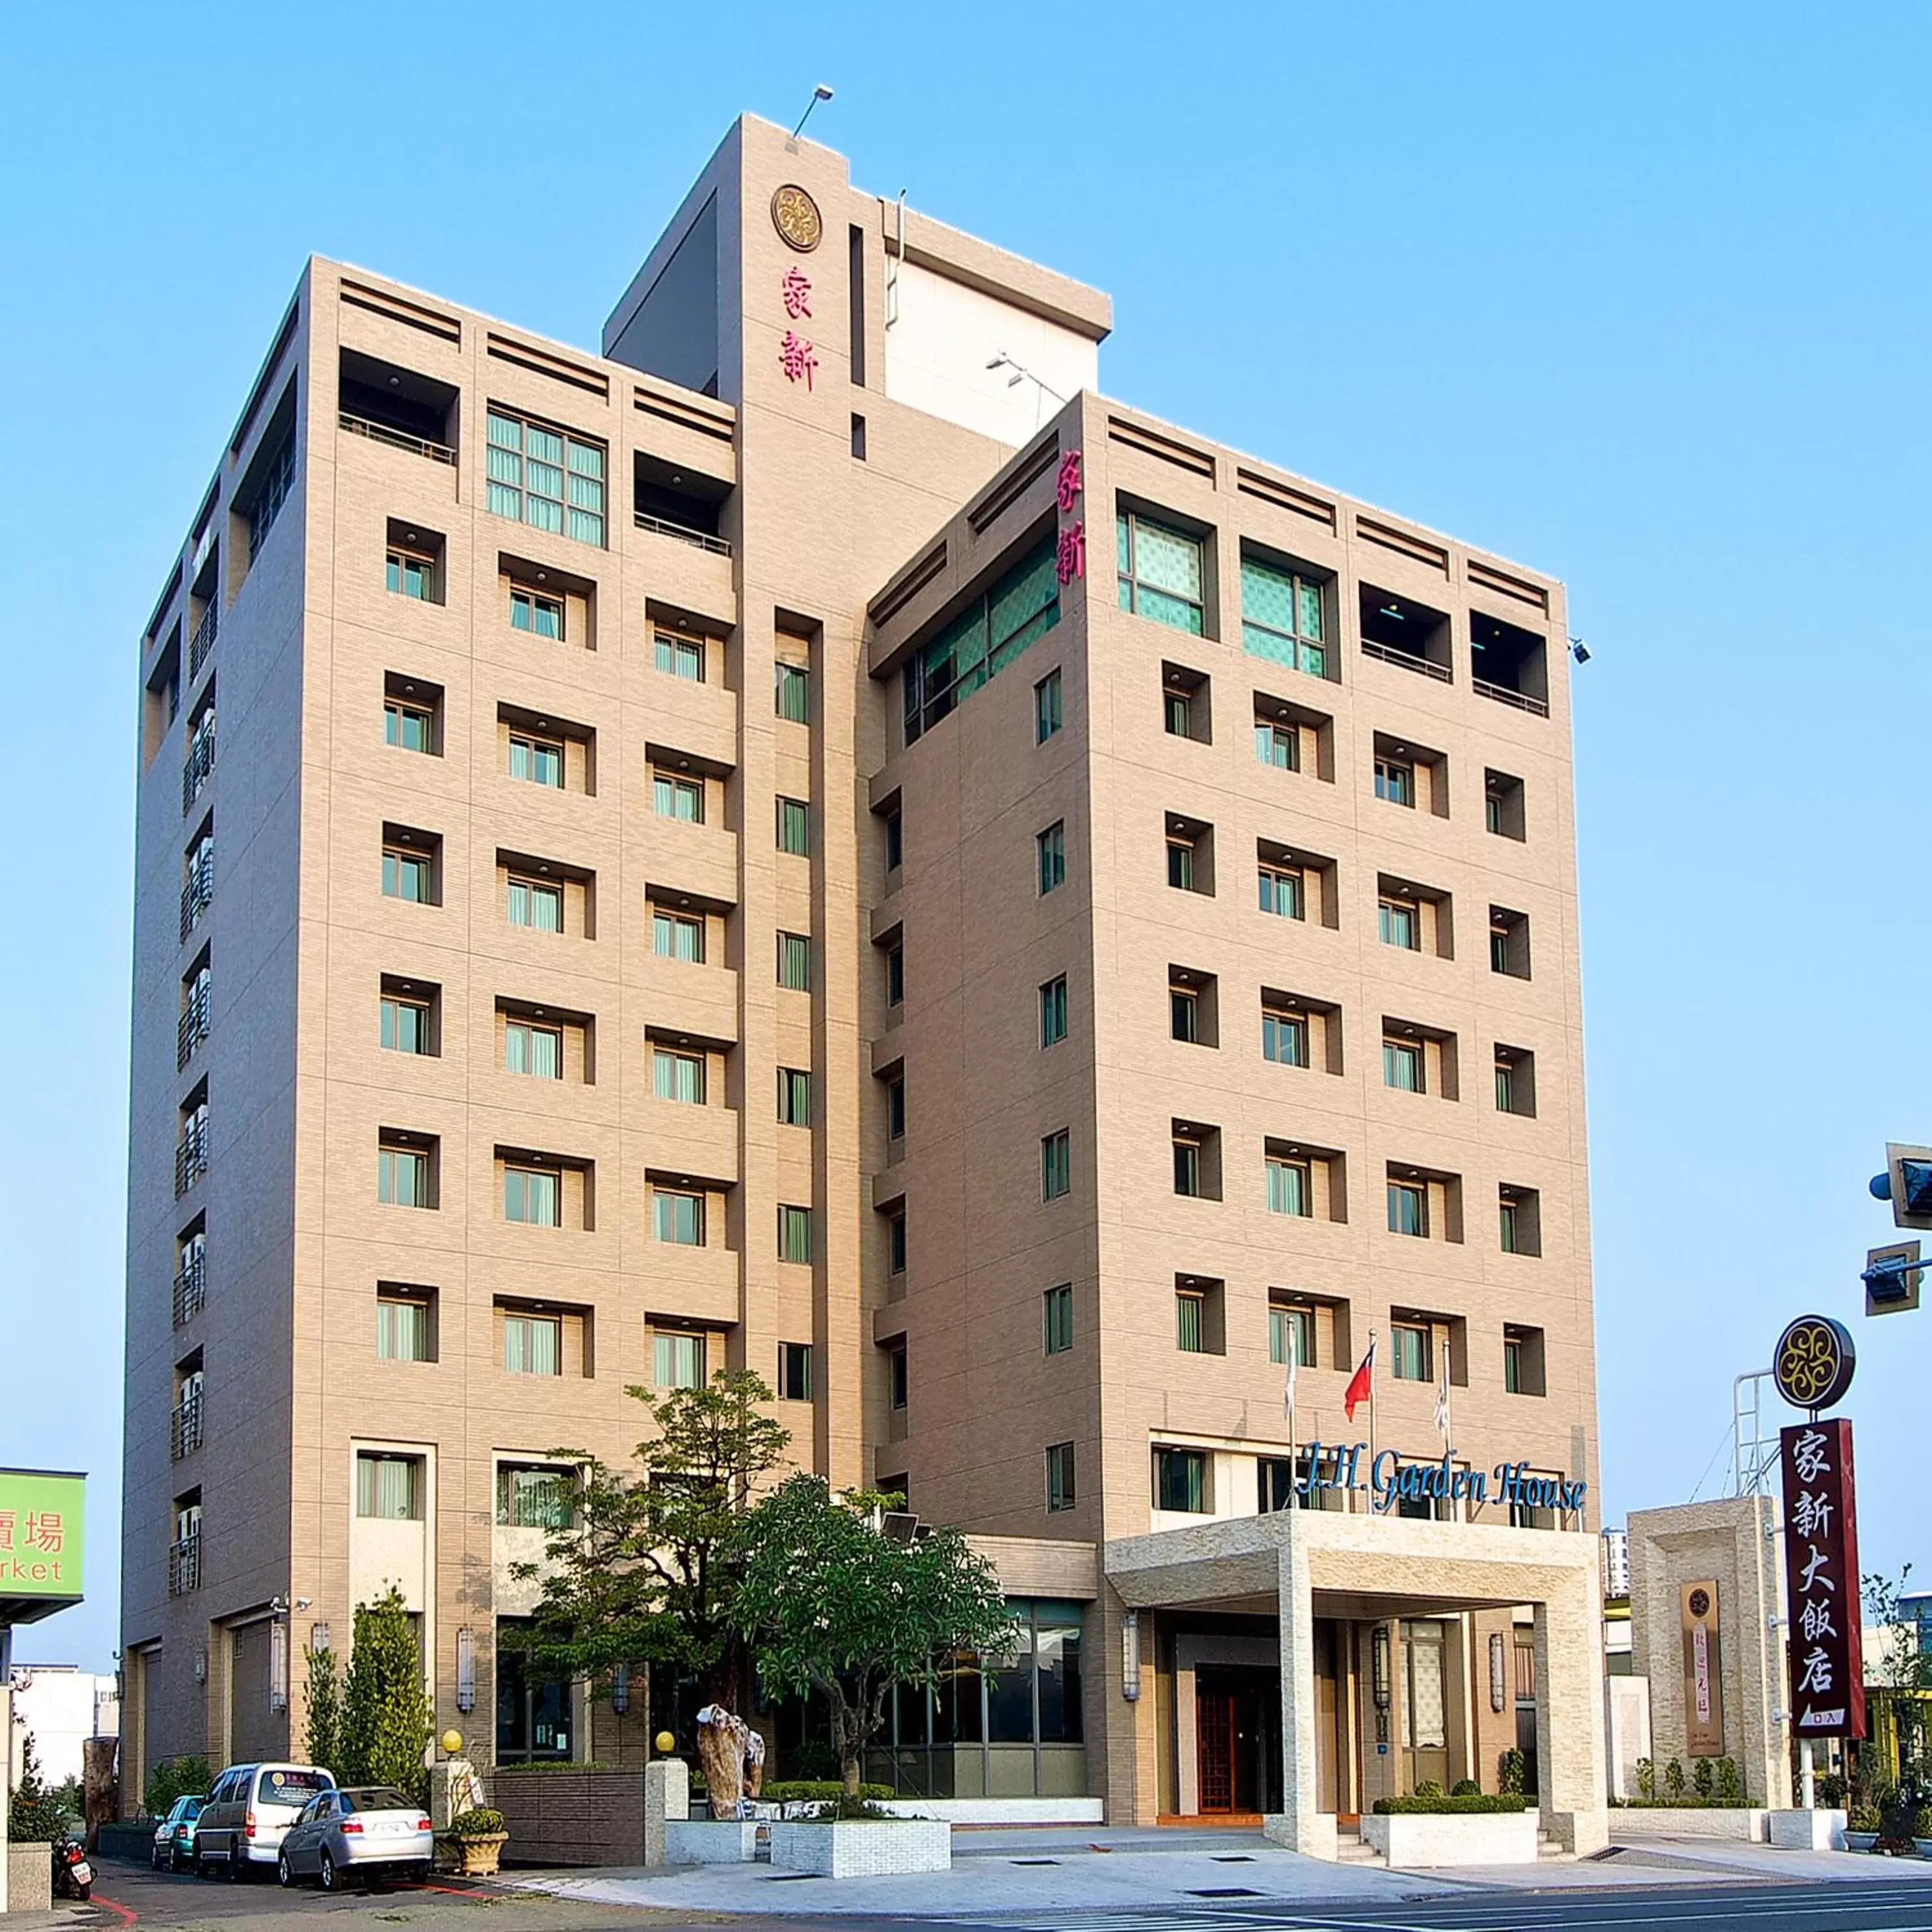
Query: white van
[(248, 1813)]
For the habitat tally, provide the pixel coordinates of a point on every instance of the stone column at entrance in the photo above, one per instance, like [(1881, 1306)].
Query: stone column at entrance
[(1299, 1826), (1570, 1717)]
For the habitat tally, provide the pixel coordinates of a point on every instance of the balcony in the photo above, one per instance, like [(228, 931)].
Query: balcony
[(197, 895), (1408, 635), (192, 1029), (1509, 664), (184, 1427), (191, 1290), (185, 1565), (385, 403), (202, 642), (663, 526), (190, 1159), (199, 764), (678, 504), (396, 439)]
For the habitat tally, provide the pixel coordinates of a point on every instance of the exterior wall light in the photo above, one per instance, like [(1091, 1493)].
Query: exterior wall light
[(1498, 1680), (278, 1665), (1130, 1656), (1378, 1669), (201, 1667), (620, 1689), (465, 1669)]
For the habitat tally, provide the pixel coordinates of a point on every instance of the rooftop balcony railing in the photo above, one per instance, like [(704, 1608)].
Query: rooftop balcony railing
[(190, 1159), (202, 642), (185, 1565), (190, 1289), (193, 1028), (198, 765), (1407, 660), (197, 897), (184, 1427), (396, 438), (683, 533), (1503, 694)]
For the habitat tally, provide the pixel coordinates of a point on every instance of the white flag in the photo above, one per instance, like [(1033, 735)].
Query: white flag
[(1442, 1403), (1287, 1383)]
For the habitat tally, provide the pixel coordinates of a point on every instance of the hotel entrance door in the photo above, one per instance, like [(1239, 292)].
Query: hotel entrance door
[(1237, 1740), (1425, 1706)]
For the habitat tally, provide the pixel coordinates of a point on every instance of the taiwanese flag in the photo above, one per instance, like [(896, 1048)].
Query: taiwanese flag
[(1362, 1384)]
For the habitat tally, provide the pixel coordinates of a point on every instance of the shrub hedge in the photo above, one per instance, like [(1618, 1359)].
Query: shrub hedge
[(1466, 1802)]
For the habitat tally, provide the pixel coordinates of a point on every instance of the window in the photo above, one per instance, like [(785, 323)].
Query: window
[(895, 1107), (533, 904), (677, 1218), (1284, 1037), (1288, 1192), (680, 657), (1051, 846), (794, 1371), (677, 1361), (1180, 862), (1180, 1480), (1523, 1360), (795, 962), (792, 692), (1161, 574), (1057, 1310), (895, 1243), (1404, 1067), (795, 1235), (795, 827), (1179, 715), (408, 727), (1512, 1364), (533, 1345), (1016, 611), (1395, 781), (895, 975), (389, 1486), (1190, 1322), (1509, 943), (537, 1050), (1397, 923), (1279, 892), (794, 1097), (1408, 1208), (1282, 617), (538, 760), (895, 1362), (533, 1194), (277, 482), (542, 477), (895, 840), (1046, 707), (1059, 1477), (534, 1499), (1184, 1014), (1505, 1085), (402, 1329), (1516, 1080), (409, 575), (1056, 1166), (1290, 1325), (678, 798), (674, 936), (1411, 1349), (1502, 804), (531, 610), (405, 1024), (1518, 1212), (677, 1076), (1053, 1012), (402, 1177), (408, 874), (1279, 746)]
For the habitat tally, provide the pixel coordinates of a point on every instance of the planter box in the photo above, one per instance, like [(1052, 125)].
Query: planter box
[(1860, 1841), (999, 1810), (1452, 1838), (707, 1841), (1819, 1831), (30, 1878), (1925, 1847), (1688, 1821), (863, 1848)]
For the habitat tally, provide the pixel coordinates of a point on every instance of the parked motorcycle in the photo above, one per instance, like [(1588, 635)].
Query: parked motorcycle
[(74, 1875)]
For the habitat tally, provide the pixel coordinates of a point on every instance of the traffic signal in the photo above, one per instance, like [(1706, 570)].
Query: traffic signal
[(1906, 1183), (1891, 1277)]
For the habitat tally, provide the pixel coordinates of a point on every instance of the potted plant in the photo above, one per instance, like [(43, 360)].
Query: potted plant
[(475, 1842), (1862, 1828), (1921, 1831)]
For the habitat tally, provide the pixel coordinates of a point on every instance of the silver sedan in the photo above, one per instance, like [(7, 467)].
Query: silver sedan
[(369, 1831)]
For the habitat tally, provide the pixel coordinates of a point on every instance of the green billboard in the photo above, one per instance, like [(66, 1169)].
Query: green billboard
[(42, 1528)]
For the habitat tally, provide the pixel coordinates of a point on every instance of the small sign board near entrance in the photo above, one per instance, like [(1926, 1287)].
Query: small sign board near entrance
[(41, 1526)]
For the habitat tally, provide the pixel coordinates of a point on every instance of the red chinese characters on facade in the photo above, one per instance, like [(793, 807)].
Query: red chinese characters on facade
[(795, 292), (1068, 486), (1071, 561), (797, 358), (1825, 1655)]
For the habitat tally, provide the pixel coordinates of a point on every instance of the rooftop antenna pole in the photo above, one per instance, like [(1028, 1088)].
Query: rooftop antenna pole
[(821, 92)]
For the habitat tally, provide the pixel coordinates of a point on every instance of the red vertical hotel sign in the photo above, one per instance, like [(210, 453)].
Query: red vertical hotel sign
[(1824, 1656)]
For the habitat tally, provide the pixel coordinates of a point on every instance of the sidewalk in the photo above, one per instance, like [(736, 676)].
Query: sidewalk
[(1024, 1871)]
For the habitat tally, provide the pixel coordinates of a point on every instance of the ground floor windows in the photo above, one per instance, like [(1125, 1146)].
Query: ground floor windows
[(534, 1715)]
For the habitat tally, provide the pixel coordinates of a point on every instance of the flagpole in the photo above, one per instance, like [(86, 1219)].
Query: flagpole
[(1373, 1379), (1293, 1353)]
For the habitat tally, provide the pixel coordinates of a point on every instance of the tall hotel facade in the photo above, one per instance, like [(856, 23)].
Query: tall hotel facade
[(788, 844)]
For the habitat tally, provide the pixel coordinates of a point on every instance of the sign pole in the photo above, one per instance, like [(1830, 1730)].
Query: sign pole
[(6, 1753)]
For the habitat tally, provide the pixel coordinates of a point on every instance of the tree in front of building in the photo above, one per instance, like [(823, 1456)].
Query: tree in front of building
[(186, 1776), (324, 1707), (36, 1815), (1902, 1668), (643, 1566), (386, 1718), (830, 1603)]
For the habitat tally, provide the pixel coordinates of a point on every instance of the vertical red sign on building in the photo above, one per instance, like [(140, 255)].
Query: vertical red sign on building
[(1824, 1655)]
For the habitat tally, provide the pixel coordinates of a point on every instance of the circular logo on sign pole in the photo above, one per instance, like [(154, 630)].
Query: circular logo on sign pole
[(795, 215), (1813, 1364), (1700, 1603)]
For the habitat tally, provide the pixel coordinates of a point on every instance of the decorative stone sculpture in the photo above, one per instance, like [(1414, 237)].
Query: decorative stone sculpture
[(733, 1756)]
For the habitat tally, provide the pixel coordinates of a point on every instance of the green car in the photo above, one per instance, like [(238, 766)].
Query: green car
[(174, 1836)]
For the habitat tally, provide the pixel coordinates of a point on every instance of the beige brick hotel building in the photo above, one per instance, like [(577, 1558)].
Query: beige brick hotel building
[(815, 840)]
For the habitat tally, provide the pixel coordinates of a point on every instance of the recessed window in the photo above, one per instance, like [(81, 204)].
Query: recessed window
[(1291, 1327), (410, 727), (539, 760), (1280, 891), (529, 1048), (403, 1176), (1408, 1208), (795, 962), (677, 1217), (1412, 1352), (1056, 1166), (896, 1372), (1502, 804), (1184, 1014), (403, 1328), (533, 1195), (1509, 943), (1161, 572), (1187, 1164), (1518, 1217), (1282, 617), (405, 1024), (795, 1235), (792, 692), (1057, 1310), (1181, 1481), (1050, 847), (1405, 1067), (535, 903), (1395, 781), (1059, 1477), (895, 1107), (794, 1097), (410, 573), (677, 1076), (677, 936), (895, 840), (895, 1243), (533, 1345), (678, 657), (1046, 718), (1186, 701), (1399, 923), (677, 1360), (794, 828), (675, 797), (409, 873), (895, 975), (1516, 1080), (389, 1487), (1284, 1037), (795, 1381), (1180, 856), (1288, 1188), (1053, 1012), (1523, 1360), (534, 611), (1190, 1322), (545, 477), (534, 1498), (1278, 745)]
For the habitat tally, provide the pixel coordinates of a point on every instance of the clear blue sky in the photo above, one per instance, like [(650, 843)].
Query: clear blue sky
[(1637, 295)]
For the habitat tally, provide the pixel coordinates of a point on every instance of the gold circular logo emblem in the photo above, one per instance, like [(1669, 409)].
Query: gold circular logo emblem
[(1813, 1364), (795, 215)]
